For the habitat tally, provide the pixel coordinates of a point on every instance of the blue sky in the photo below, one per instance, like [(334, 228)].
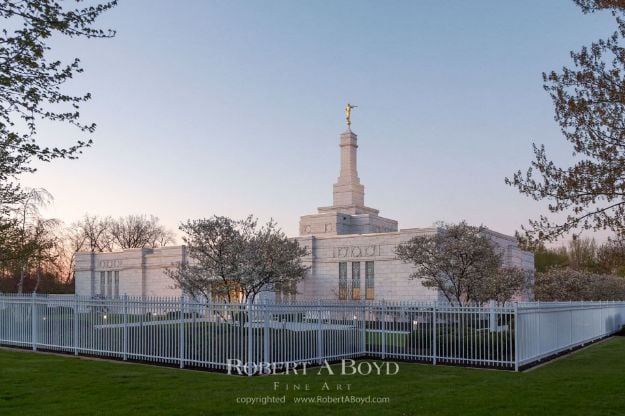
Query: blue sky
[(235, 107)]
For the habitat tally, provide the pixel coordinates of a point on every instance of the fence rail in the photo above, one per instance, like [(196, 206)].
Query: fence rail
[(248, 336)]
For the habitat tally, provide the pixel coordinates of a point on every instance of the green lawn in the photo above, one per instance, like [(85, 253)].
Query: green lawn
[(591, 381)]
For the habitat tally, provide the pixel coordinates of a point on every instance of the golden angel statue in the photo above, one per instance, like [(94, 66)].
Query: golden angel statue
[(348, 113)]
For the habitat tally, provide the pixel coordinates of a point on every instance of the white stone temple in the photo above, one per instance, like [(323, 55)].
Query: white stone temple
[(351, 253)]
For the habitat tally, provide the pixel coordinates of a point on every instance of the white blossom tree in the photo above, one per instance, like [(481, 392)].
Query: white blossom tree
[(235, 260), (565, 284), (461, 262)]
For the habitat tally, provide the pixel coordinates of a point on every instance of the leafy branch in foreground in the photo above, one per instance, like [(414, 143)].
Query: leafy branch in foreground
[(589, 102), (31, 83)]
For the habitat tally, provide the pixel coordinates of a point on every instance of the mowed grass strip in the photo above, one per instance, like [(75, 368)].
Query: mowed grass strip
[(588, 382)]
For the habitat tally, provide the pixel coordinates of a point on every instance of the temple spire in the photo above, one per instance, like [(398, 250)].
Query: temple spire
[(348, 213), (348, 191)]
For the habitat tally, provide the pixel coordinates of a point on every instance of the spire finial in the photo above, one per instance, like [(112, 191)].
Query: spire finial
[(348, 114)]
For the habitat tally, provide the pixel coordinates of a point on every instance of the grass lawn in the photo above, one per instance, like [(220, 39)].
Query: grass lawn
[(588, 382)]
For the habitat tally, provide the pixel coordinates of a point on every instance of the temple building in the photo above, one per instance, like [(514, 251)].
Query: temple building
[(351, 253)]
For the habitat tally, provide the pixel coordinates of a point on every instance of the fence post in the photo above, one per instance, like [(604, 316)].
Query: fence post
[(383, 334), (492, 321), (181, 331), (434, 332), (516, 336), (33, 325), (319, 334), (601, 321), (538, 341), (125, 335), (364, 329), (571, 327), (76, 324), (250, 340), (266, 345)]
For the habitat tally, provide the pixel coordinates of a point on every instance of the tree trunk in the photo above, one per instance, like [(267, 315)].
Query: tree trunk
[(20, 283), (38, 278)]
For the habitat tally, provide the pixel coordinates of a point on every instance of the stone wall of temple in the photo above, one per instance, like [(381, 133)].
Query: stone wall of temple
[(142, 271), (135, 272)]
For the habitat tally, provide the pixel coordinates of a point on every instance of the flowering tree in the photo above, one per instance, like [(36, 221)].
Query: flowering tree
[(461, 262), (566, 284), (235, 259)]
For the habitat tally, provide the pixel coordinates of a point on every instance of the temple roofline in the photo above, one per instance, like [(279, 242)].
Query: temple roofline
[(349, 209)]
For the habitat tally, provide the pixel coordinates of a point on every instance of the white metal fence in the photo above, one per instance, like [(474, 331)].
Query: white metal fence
[(213, 335), (545, 329)]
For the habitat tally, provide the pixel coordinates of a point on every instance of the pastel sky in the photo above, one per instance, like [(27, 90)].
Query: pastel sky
[(235, 107)]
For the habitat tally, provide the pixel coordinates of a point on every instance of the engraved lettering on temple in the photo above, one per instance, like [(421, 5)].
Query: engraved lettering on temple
[(110, 264), (356, 251)]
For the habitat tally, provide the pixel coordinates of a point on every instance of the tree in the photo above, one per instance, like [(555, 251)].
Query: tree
[(94, 232), (100, 234), (46, 250), (32, 242), (31, 84), (9, 234), (589, 102), (39, 253), (272, 260), (589, 6), (73, 241), (39, 263), (462, 264), (235, 260), (582, 254), (563, 284), (546, 258), (139, 231), (611, 257), (501, 285), (31, 228)]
